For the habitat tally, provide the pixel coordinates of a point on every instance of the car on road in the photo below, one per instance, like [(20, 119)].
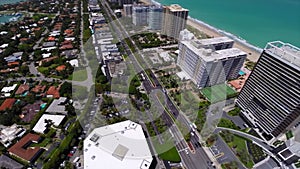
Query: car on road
[(76, 159)]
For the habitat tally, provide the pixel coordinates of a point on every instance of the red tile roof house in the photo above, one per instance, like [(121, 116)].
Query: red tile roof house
[(7, 104), (61, 68), (22, 89), (38, 89), (53, 92), (23, 150), (64, 47), (13, 64)]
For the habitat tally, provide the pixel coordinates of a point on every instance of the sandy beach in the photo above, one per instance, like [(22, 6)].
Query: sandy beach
[(253, 55)]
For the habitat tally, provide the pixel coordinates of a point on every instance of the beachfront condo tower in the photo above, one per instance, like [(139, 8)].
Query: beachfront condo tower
[(127, 10), (208, 62), (174, 21), (155, 17), (140, 15), (270, 99)]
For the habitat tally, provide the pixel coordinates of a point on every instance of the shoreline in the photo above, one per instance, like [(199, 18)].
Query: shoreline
[(12, 17), (253, 52)]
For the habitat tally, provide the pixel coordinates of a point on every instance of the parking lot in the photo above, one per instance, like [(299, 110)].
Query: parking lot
[(223, 153)]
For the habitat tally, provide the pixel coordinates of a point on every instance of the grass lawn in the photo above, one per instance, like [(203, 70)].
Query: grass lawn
[(167, 151), (44, 143), (239, 144), (227, 124), (289, 135), (47, 69), (42, 69), (79, 75), (171, 155), (79, 92), (217, 93)]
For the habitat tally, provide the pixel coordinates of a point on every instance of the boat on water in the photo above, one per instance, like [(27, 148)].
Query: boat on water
[(13, 19)]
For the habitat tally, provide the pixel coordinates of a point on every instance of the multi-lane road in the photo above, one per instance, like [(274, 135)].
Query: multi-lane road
[(197, 159)]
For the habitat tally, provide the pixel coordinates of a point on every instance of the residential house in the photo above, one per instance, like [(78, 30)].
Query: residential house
[(23, 150)]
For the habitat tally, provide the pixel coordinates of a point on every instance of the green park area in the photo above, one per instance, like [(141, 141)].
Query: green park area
[(79, 75), (226, 123), (218, 93), (166, 151), (239, 147)]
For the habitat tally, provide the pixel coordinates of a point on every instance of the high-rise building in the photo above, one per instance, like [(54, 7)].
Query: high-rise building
[(122, 2), (174, 21), (186, 35), (127, 9), (155, 17), (270, 99), (140, 15), (209, 62)]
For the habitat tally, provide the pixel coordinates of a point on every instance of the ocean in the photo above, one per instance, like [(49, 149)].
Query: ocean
[(256, 21), (9, 1), (6, 18)]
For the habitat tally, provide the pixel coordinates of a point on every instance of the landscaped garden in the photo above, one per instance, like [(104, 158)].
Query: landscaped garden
[(234, 112), (256, 152), (218, 93), (289, 135), (227, 124), (238, 146), (150, 40)]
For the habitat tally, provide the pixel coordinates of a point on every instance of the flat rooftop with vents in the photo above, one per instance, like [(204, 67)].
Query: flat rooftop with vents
[(120, 145)]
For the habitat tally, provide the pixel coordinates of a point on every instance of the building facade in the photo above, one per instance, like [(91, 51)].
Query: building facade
[(210, 61), (155, 17), (270, 99), (122, 2), (127, 9), (174, 21), (140, 15)]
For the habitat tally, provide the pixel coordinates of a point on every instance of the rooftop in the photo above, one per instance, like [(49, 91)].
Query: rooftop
[(53, 92), (22, 88), (61, 68), (285, 51), (57, 106), (7, 104), (176, 7), (210, 55), (22, 148), (9, 133), (216, 40), (9, 88), (122, 144), (30, 110), (38, 89), (41, 125)]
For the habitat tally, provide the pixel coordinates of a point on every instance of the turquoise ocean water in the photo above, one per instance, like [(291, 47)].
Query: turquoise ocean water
[(5, 18), (9, 1), (256, 21)]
